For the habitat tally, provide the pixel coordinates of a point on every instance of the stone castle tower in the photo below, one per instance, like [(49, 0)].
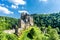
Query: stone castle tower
[(26, 20)]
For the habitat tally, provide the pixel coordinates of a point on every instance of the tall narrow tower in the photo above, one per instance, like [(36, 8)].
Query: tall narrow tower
[(26, 20)]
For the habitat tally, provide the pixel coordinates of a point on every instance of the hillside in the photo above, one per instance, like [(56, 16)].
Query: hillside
[(39, 20), (47, 19), (7, 22), (47, 28)]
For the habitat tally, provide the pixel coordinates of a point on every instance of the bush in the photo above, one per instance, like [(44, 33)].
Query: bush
[(33, 33), (4, 36)]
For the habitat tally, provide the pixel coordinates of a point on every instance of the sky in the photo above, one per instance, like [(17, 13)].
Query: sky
[(12, 8)]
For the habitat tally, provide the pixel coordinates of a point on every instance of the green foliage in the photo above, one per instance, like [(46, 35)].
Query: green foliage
[(45, 29), (47, 19), (34, 33), (7, 23), (53, 35), (4, 36)]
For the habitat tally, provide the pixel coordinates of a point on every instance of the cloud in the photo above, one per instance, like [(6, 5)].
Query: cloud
[(23, 11), (5, 10), (4, 5), (43, 0), (14, 6), (1, 4), (17, 2)]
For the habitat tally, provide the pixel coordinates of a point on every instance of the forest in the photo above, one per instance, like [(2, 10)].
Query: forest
[(7, 23), (46, 27)]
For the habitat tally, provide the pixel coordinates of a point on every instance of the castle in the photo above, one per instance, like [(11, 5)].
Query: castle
[(26, 20), (24, 23)]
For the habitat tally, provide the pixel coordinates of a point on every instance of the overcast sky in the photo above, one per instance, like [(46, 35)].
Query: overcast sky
[(12, 8)]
